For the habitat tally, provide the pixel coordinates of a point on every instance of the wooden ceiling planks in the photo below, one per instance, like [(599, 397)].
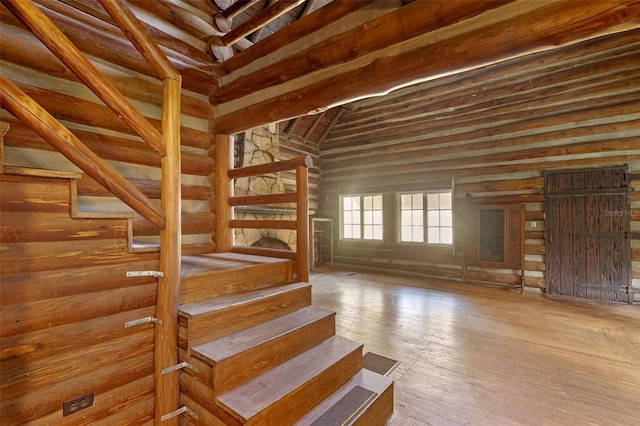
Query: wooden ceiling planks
[(506, 32)]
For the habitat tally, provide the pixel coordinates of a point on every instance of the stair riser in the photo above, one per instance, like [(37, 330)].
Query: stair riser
[(199, 397), (297, 403), (221, 322), (246, 365), (220, 282), (378, 412)]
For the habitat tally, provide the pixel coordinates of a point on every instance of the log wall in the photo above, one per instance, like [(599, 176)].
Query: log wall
[(65, 245), (495, 131), (29, 65)]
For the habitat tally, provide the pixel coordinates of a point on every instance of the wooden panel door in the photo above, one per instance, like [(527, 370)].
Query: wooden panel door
[(588, 251)]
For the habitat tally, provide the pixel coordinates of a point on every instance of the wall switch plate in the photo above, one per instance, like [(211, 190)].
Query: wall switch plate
[(76, 404)]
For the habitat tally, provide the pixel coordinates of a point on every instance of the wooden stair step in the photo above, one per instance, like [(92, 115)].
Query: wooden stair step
[(286, 392), (374, 412), (243, 355), (209, 275), (216, 317)]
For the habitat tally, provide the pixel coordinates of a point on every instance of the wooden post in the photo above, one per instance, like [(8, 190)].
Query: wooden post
[(224, 191), (302, 233), (167, 397)]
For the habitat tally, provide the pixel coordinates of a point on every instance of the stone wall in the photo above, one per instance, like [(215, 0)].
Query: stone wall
[(261, 145)]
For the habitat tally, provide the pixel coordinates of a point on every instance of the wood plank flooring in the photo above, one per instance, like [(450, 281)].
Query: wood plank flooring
[(478, 355)]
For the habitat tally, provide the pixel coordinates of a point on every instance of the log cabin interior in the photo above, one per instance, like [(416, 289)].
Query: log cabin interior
[(171, 171)]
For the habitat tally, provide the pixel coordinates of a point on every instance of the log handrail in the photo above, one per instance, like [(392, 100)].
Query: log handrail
[(275, 167), (225, 221), (136, 33)]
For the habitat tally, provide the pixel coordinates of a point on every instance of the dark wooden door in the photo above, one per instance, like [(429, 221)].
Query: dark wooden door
[(588, 251)]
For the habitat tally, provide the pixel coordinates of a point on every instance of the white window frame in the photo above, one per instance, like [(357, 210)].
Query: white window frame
[(436, 214), (366, 224)]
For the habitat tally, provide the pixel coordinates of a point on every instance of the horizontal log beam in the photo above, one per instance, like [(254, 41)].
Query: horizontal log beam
[(272, 12), (23, 107), (380, 33), (263, 251), (330, 13), (255, 200), (263, 224), (275, 167), (504, 36), (109, 147)]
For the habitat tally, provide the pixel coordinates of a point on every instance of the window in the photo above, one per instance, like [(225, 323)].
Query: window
[(433, 224), (362, 217)]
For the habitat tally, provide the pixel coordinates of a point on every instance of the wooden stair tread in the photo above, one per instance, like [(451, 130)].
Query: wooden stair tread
[(227, 346), (250, 400), (367, 379), (206, 263), (226, 301)]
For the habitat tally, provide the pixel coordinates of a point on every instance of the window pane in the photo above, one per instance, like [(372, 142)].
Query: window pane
[(417, 217), (356, 232), (355, 203), (418, 234), (377, 232), (433, 201), (346, 203), (347, 218), (446, 235), (368, 203), (355, 217), (368, 232), (406, 232), (405, 201), (433, 218), (433, 235), (417, 201), (446, 218), (405, 217), (347, 232), (445, 200), (377, 217), (368, 217), (377, 202)]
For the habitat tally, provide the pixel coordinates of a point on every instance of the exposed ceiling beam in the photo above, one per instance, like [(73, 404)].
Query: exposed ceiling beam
[(376, 35), (331, 125), (509, 31), (308, 8), (316, 21), (261, 19), (313, 126)]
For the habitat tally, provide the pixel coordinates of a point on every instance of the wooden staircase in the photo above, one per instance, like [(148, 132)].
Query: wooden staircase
[(264, 355)]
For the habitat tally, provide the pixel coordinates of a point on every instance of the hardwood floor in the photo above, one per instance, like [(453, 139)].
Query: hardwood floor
[(490, 356)]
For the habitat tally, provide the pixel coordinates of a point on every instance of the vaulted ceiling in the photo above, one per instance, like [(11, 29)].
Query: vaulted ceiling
[(282, 61)]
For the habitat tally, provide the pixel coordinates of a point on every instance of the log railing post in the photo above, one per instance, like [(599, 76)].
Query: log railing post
[(167, 394), (167, 386), (302, 219), (224, 191)]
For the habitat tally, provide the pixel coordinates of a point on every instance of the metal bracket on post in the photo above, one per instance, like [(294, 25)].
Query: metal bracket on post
[(179, 411), (154, 274), (180, 367), (142, 321)]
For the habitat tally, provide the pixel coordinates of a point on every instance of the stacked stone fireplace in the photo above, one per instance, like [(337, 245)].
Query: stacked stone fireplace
[(260, 146)]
